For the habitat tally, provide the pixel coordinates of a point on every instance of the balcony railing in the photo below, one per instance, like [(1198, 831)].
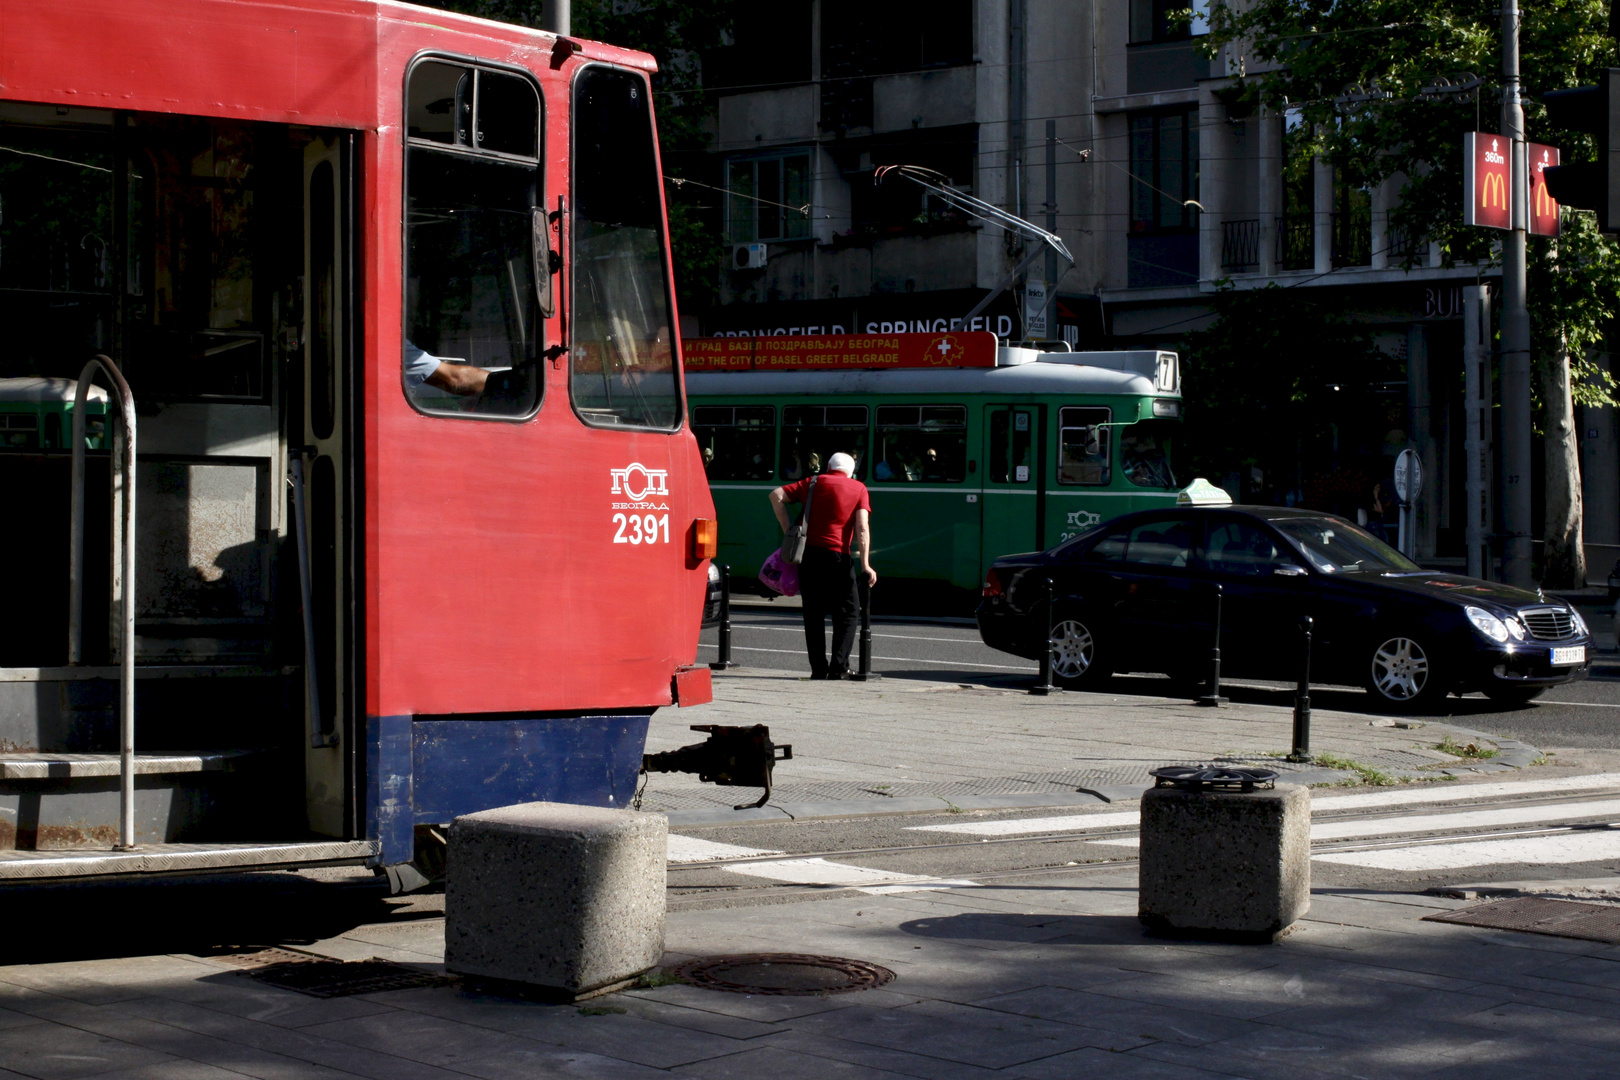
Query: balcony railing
[(1296, 242), (1352, 238), (1240, 244), (1400, 242)]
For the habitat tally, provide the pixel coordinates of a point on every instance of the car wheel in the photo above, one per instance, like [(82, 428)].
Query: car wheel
[(1514, 695), (1077, 660), (1401, 675)]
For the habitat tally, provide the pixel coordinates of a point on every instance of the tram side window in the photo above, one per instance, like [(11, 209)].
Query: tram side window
[(737, 442), (921, 443), (623, 353), (811, 434), (472, 314), (1083, 447), (1144, 453)]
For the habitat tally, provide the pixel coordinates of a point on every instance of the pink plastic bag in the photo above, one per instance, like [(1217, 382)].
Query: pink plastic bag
[(779, 575)]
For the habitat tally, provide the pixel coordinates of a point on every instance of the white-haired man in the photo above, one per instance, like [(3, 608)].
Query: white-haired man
[(840, 513)]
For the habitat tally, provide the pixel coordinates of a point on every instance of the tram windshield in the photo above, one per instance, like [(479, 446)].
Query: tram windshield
[(623, 353)]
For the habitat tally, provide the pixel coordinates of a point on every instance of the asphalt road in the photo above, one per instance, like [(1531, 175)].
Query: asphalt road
[(770, 635)]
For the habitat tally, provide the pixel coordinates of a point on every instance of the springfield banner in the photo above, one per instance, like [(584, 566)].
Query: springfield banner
[(842, 352)]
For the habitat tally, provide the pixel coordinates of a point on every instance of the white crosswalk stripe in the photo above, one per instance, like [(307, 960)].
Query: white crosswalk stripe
[(1441, 792), (1562, 849), (814, 871)]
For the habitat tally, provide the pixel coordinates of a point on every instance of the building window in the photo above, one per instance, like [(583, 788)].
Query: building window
[(1167, 20), (1164, 171), (765, 194)]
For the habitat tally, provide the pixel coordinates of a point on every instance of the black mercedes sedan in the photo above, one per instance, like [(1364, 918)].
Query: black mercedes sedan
[(1138, 594)]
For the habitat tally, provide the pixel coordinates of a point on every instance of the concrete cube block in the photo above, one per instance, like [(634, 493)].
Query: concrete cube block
[(568, 899), (1232, 864)]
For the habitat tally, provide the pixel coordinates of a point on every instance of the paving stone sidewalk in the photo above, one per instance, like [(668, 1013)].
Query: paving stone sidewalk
[(887, 743), (1037, 978)]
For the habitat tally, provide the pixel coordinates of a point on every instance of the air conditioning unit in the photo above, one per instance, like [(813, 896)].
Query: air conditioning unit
[(748, 256)]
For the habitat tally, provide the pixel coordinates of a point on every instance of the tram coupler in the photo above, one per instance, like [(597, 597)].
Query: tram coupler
[(731, 757)]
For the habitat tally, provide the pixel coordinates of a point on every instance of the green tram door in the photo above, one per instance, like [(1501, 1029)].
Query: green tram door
[(1011, 503)]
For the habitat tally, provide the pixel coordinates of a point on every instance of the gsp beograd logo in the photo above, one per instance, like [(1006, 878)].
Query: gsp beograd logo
[(636, 482)]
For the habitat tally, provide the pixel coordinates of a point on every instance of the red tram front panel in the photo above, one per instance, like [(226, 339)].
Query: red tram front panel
[(528, 566)]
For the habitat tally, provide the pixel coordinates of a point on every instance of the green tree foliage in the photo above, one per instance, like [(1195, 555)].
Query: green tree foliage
[(1267, 383), (678, 33), (1355, 73)]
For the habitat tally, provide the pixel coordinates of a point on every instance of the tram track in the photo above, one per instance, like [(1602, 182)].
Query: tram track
[(709, 893), (1087, 836)]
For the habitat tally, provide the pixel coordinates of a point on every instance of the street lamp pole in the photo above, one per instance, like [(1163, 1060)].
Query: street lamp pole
[(1515, 326)]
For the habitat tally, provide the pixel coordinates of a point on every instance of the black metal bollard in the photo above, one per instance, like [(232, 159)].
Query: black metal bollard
[(1212, 698), (1045, 687), (1302, 698), (723, 660), (863, 668)]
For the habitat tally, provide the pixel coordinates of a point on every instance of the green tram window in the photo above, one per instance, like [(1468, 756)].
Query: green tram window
[(813, 433), (1144, 453), (921, 443), (1083, 447), (738, 443)]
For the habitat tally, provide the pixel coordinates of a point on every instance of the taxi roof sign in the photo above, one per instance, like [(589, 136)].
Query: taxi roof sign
[(1202, 493)]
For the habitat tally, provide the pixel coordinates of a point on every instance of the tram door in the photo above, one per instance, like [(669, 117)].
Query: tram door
[(327, 365), (1010, 502)]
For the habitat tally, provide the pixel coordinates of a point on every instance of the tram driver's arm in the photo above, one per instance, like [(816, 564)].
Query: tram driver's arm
[(863, 537), (461, 379), (422, 368), (779, 507)]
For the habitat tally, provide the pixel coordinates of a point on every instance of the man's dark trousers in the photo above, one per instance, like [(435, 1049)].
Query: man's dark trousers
[(827, 587)]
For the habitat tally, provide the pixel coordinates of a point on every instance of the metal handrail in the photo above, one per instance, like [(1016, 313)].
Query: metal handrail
[(123, 582)]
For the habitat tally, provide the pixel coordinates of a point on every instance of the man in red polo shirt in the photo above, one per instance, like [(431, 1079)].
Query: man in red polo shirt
[(840, 511)]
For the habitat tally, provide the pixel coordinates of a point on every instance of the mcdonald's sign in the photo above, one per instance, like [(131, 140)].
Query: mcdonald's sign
[(1487, 187), (1543, 219)]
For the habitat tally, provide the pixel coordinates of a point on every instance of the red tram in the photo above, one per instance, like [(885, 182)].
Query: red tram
[(418, 527)]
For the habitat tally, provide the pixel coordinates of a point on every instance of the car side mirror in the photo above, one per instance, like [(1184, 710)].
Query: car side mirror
[(1288, 570)]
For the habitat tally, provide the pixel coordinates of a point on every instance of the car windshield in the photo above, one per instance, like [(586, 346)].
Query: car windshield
[(1339, 547)]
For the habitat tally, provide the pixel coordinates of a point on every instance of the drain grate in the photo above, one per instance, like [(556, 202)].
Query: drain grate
[(794, 974), (1539, 915), (344, 978)]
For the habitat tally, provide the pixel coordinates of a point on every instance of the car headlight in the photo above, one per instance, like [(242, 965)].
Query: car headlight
[(1580, 623), (1516, 628), (1487, 624)]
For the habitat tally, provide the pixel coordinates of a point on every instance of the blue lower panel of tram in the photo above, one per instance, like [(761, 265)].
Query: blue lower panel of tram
[(423, 772)]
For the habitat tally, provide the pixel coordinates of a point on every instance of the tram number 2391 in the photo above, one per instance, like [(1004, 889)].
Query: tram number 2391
[(641, 528)]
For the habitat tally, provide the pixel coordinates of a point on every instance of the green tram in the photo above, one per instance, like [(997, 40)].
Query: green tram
[(964, 464)]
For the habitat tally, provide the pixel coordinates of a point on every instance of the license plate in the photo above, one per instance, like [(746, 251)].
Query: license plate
[(1574, 654)]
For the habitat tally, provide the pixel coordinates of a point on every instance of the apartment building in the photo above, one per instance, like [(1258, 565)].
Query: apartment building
[(1107, 124)]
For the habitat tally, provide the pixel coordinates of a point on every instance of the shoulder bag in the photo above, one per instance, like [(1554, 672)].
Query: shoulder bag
[(798, 534)]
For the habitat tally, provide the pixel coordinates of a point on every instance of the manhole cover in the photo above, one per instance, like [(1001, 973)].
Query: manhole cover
[(1539, 915), (343, 978), (783, 973)]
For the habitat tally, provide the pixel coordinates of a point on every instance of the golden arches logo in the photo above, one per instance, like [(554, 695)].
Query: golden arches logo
[(1493, 185), (1545, 206)]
